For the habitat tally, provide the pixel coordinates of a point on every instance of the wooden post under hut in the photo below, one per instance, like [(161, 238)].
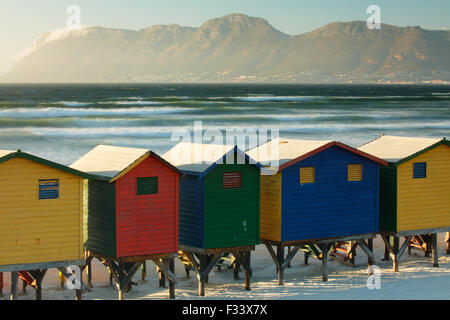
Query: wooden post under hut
[(204, 261)]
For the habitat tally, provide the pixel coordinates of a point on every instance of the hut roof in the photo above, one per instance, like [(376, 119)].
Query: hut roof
[(6, 155), (199, 159), (400, 149), (291, 151), (5, 152), (110, 162)]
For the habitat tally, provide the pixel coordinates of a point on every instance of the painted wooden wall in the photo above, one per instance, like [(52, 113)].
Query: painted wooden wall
[(100, 218), (191, 212), (147, 224), (388, 198), (232, 216), (33, 230), (425, 203), (271, 207), (332, 206)]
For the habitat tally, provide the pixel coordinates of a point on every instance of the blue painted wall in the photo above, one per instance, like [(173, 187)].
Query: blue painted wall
[(190, 220), (332, 206)]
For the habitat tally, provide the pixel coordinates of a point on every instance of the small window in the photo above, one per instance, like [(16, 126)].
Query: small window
[(307, 175), (148, 185), (232, 180), (48, 189), (354, 172), (420, 170)]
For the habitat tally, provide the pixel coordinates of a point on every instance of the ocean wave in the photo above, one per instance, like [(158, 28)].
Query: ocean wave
[(264, 98), (70, 103), (132, 103), (53, 112)]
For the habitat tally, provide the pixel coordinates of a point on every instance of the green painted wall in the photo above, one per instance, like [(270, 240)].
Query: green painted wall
[(100, 218), (231, 216), (388, 198)]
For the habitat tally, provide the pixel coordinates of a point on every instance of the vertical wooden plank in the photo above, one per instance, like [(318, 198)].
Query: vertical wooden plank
[(201, 279), (14, 280), (434, 250), (386, 251)]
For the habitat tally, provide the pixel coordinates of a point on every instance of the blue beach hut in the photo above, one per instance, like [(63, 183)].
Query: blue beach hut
[(321, 193)]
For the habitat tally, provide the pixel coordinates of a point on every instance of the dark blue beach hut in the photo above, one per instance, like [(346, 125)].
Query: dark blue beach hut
[(319, 193)]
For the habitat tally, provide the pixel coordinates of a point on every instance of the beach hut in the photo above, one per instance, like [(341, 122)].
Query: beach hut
[(131, 211), (219, 205), (414, 189), (40, 218), (317, 193)]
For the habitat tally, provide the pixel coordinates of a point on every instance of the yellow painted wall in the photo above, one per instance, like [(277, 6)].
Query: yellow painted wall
[(33, 230), (425, 203), (271, 207)]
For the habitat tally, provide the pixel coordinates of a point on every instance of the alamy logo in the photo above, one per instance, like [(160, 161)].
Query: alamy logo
[(374, 280), (374, 21), (74, 20), (74, 281)]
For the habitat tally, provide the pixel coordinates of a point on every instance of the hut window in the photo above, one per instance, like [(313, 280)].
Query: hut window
[(354, 172), (148, 185), (420, 170), (307, 175), (48, 189), (232, 180)]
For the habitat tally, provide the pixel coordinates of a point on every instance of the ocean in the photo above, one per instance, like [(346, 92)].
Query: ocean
[(62, 122)]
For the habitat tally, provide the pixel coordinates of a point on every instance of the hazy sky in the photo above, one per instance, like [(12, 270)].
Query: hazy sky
[(22, 21)]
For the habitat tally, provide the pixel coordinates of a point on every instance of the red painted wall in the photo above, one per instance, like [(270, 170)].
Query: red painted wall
[(147, 224)]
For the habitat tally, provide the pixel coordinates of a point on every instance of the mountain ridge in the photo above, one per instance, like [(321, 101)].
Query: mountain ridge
[(233, 47)]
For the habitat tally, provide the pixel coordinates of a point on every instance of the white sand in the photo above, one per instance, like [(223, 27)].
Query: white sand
[(417, 279)]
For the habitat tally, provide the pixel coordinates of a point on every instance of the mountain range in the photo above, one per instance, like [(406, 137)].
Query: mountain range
[(235, 47)]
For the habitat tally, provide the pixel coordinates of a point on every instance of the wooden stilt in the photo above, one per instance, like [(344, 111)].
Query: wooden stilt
[(447, 240), (161, 277), (38, 276), (144, 271), (324, 248), (110, 277), (188, 275), (288, 252), (171, 266), (122, 274), (89, 272), (306, 254), (386, 250), (14, 280), (280, 270), (236, 268), (24, 287), (62, 280), (247, 275), (370, 246), (1, 284), (395, 258), (434, 250)]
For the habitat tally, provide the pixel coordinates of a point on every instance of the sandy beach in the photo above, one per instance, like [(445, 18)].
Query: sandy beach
[(416, 275)]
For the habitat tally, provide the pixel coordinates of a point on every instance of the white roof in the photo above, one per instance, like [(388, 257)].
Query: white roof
[(393, 149), (196, 157), (284, 150), (5, 152), (109, 161)]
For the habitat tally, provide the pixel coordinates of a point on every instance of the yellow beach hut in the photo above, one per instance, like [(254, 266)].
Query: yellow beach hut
[(414, 189), (40, 218)]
